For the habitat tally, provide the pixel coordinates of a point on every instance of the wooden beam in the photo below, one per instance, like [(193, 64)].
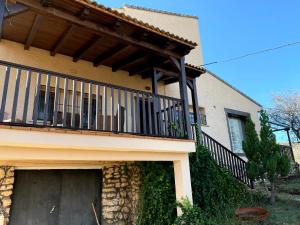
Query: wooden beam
[(171, 80), (110, 53), (46, 3), (84, 13), (196, 107), (97, 28), (15, 9), (184, 98), (141, 69), (33, 31), (87, 46), (65, 36), (176, 63), (129, 60), (2, 11), (167, 72)]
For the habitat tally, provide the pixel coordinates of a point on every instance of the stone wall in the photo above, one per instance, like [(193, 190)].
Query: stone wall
[(120, 194), (6, 190)]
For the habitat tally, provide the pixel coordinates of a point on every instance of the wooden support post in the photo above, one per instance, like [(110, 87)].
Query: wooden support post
[(192, 85), (2, 11), (184, 98)]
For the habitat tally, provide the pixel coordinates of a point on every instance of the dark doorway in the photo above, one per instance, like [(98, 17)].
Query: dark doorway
[(56, 197)]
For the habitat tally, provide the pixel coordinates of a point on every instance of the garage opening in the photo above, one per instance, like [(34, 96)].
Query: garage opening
[(56, 197)]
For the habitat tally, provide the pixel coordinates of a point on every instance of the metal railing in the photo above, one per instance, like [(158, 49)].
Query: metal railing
[(35, 97), (225, 158)]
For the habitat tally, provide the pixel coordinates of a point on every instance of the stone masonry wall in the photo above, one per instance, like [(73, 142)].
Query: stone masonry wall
[(120, 194), (6, 190)]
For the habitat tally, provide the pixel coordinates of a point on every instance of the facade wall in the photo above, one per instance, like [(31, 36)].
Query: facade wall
[(216, 96)]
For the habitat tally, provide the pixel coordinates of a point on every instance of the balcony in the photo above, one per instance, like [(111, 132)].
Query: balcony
[(39, 98)]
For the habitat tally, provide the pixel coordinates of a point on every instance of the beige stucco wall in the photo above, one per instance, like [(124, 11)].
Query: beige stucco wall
[(296, 150), (215, 96), (186, 27)]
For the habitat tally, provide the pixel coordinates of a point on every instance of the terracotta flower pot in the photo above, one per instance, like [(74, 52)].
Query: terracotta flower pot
[(251, 214)]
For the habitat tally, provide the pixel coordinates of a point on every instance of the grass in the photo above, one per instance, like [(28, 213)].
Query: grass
[(286, 210)]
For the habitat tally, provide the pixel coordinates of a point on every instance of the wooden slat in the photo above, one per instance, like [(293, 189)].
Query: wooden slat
[(105, 122), (98, 106), (169, 107), (81, 105), (65, 102), (4, 93), (86, 47), (37, 98), (112, 121), (132, 111), (90, 106), (16, 96), (144, 114), (126, 111), (56, 100), (165, 117), (33, 31), (74, 96), (155, 111), (2, 11), (60, 42), (26, 97), (149, 114), (47, 99), (119, 110), (160, 120), (138, 113)]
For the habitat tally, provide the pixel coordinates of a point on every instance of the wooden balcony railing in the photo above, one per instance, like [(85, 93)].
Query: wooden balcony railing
[(35, 97)]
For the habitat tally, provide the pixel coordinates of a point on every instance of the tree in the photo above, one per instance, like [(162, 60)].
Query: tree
[(286, 112), (265, 160)]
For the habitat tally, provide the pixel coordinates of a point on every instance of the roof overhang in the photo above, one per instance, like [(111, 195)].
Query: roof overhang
[(92, 32)]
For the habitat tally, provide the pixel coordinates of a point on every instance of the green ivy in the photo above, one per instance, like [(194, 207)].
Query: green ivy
[(157, 204), (216, 193)]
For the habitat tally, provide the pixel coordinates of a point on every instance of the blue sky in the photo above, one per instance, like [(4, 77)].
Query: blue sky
[(231, 28)]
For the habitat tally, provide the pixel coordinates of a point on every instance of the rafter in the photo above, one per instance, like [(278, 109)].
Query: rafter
[(66, 35), (129, 60), (110, 53), (97, 28), (87, 46), (33, 31), (143, 68)]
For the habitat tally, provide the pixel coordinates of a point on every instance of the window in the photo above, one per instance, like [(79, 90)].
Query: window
[(202, 117), (236, 132)]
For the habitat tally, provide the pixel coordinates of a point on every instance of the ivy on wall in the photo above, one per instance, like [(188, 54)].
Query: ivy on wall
[(216, 193)]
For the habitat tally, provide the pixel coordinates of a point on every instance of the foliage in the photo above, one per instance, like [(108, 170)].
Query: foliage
[(264, 157), (216, 193), (286, 112), (214, 188), (157, 194), (191, 215)]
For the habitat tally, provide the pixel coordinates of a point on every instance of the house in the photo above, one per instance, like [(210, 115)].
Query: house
[(223, 108), (86, 91)]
